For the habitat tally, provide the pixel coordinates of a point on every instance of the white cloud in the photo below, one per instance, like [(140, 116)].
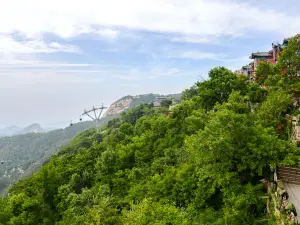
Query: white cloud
[(108, 33), (136, 74), (68, 18), (129, 77), (14, 79), (239, 59), (192, 21), (36, 64), (196, 55), (56, 47), (165, 73), (25, 53), (99, 72), (130, 85), (191, 39), (69, 31), (9, 45)]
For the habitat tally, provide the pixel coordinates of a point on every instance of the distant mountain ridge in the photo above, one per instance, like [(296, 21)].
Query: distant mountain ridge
[(24, 153), (128, 102), (9, 131), (33, 128), (15, 130), (115, 109)]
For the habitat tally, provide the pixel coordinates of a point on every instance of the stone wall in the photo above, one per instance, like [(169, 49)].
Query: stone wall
[(280, 210)]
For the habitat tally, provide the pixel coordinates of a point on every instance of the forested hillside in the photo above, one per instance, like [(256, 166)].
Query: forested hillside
[(200, 163), (24, 154)]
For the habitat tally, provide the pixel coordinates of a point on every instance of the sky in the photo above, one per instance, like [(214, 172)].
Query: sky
[(59, 57)]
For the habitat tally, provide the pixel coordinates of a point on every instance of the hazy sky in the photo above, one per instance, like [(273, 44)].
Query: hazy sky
[(58, 57)]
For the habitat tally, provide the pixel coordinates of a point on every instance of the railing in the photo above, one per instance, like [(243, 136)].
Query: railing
[(289, 175)]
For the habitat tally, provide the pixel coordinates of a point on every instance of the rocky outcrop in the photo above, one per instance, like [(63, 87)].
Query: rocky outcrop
[(129, 102), (119, 106), (33, 128)]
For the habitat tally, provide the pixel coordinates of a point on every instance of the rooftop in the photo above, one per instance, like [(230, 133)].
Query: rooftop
[(260, 54), (246, 67), (161, 97)]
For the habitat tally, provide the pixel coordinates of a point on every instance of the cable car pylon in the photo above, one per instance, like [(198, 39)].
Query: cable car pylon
[(95, 114)]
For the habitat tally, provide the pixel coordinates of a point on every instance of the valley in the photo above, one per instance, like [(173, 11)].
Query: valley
[(25, 150)]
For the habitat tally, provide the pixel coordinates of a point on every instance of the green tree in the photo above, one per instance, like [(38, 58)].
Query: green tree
[(218, 88), (133, 115), (272, 111), (190, 93), (166, 103), (289, 60), (149, 212), (233, 151), (198, 166), (263, 71)]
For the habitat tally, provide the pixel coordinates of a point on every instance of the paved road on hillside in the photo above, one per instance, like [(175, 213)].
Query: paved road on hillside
[(294, 196)]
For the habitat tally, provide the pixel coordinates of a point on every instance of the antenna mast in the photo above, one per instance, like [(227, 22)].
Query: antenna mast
[(95, 114)]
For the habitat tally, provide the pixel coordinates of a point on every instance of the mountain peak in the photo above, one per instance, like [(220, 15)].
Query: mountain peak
[(33, 128), (128, 102)]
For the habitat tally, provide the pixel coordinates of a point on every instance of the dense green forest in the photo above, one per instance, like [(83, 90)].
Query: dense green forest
[(199, 163), (24, 154)]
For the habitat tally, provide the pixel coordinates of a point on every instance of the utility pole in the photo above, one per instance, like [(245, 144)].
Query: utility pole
[(95, 114)]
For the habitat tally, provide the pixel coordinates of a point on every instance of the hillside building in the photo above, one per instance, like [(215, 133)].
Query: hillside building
[(158, 101), (258, 57), (245, 70), (271, 56)]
